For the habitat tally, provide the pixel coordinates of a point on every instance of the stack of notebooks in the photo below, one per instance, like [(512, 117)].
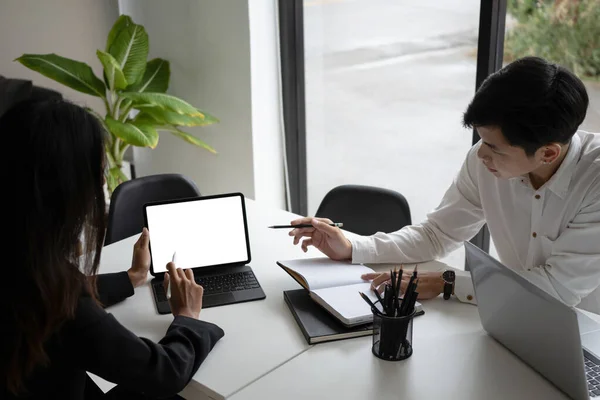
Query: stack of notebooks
[(329, 306)]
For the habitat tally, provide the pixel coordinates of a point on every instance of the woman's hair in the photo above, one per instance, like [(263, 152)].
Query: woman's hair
[(52, 157), (533, 101)]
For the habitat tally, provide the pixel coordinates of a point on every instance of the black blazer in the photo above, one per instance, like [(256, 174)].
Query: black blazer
[(95, 341)]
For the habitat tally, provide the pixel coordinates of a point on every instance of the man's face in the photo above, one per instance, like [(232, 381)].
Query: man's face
[(502, 159)]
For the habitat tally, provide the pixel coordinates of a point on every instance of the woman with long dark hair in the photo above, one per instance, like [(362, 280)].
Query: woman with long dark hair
[(53, 325)]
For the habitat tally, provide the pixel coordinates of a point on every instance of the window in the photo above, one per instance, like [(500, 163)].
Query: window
[(374, 92)]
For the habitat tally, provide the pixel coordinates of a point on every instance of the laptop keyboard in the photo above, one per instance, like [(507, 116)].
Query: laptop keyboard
[(216, 284), (592, 373), (228, 283)]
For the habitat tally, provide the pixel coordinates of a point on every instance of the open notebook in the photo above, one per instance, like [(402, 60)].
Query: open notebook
[(335, 286)]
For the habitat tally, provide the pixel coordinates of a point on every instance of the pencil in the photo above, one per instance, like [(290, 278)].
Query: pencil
[(413, 302), (397, 305), (388, 298), (173, 259), (379, 299), (395, 284), (338, 224), (408, 296)]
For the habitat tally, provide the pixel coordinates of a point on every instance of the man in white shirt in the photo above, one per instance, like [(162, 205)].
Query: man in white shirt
[(533, 178)]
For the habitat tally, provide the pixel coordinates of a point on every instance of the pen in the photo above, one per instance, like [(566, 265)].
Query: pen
[(369, 302), (169, 286), (338, 224)]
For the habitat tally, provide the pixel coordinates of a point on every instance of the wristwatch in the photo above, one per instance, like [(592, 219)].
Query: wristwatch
[(448, 276)]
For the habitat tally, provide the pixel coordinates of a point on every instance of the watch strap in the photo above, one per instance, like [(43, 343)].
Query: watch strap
[(448, 290), (449, 278)]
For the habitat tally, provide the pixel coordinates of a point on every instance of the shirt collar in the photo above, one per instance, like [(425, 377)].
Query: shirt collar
[(560, 181)]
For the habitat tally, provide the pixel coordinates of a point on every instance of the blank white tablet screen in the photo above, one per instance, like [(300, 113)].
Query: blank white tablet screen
[(204, 232)]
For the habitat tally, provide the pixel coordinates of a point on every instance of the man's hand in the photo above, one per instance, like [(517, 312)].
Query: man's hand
[(140, 264), (328, 239), (430, 285)]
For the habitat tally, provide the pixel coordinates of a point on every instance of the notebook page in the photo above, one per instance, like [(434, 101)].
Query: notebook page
[(346, 301), (322, 272), (346, 304)]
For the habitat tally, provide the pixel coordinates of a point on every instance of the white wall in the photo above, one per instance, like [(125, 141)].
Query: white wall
[(70, 28), (267, 129), (224, 59), (208, 44)]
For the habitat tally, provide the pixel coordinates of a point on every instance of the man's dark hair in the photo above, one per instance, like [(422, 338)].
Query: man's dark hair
[(534, 103)]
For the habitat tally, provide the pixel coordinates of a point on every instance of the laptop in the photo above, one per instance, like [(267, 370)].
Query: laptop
[(209, 235), (558, 341)]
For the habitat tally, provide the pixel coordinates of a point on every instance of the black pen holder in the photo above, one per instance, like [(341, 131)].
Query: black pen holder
[(392, 336)]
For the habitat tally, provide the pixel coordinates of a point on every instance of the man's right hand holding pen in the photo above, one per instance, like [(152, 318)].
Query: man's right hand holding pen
[(331, 241), (328, 239)]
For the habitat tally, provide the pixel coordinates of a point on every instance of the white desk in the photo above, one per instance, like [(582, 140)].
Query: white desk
[(264, 355), (453, 359), (259, 336)]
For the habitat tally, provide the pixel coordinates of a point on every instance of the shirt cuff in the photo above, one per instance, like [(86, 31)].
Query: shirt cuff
[(113, 288), (363, 249), (463, 287), (214, 331)]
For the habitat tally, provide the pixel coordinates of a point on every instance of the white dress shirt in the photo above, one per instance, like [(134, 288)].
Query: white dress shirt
[(550, 235)]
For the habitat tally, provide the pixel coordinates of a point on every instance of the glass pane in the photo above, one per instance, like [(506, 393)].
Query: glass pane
[(566, 32), (387, 82)]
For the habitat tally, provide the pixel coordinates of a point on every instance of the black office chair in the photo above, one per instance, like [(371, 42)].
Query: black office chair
[(365, 210), (126, 216), (13, 91)]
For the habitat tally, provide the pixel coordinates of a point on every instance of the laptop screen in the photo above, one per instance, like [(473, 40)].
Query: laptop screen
[(207, 231)]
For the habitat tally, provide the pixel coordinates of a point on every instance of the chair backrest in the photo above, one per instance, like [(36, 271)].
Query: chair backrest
[(126, 214), (365, 210), (13, 91)]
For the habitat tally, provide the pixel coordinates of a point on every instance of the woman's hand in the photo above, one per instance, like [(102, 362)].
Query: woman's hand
[(328, 239), (186, 294), (140, 264)]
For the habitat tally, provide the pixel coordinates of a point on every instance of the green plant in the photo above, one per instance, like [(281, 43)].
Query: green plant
[(563, 31), (130, 83), (523, 9)]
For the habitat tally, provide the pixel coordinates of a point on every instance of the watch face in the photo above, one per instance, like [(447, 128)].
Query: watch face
[(449, 276)]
